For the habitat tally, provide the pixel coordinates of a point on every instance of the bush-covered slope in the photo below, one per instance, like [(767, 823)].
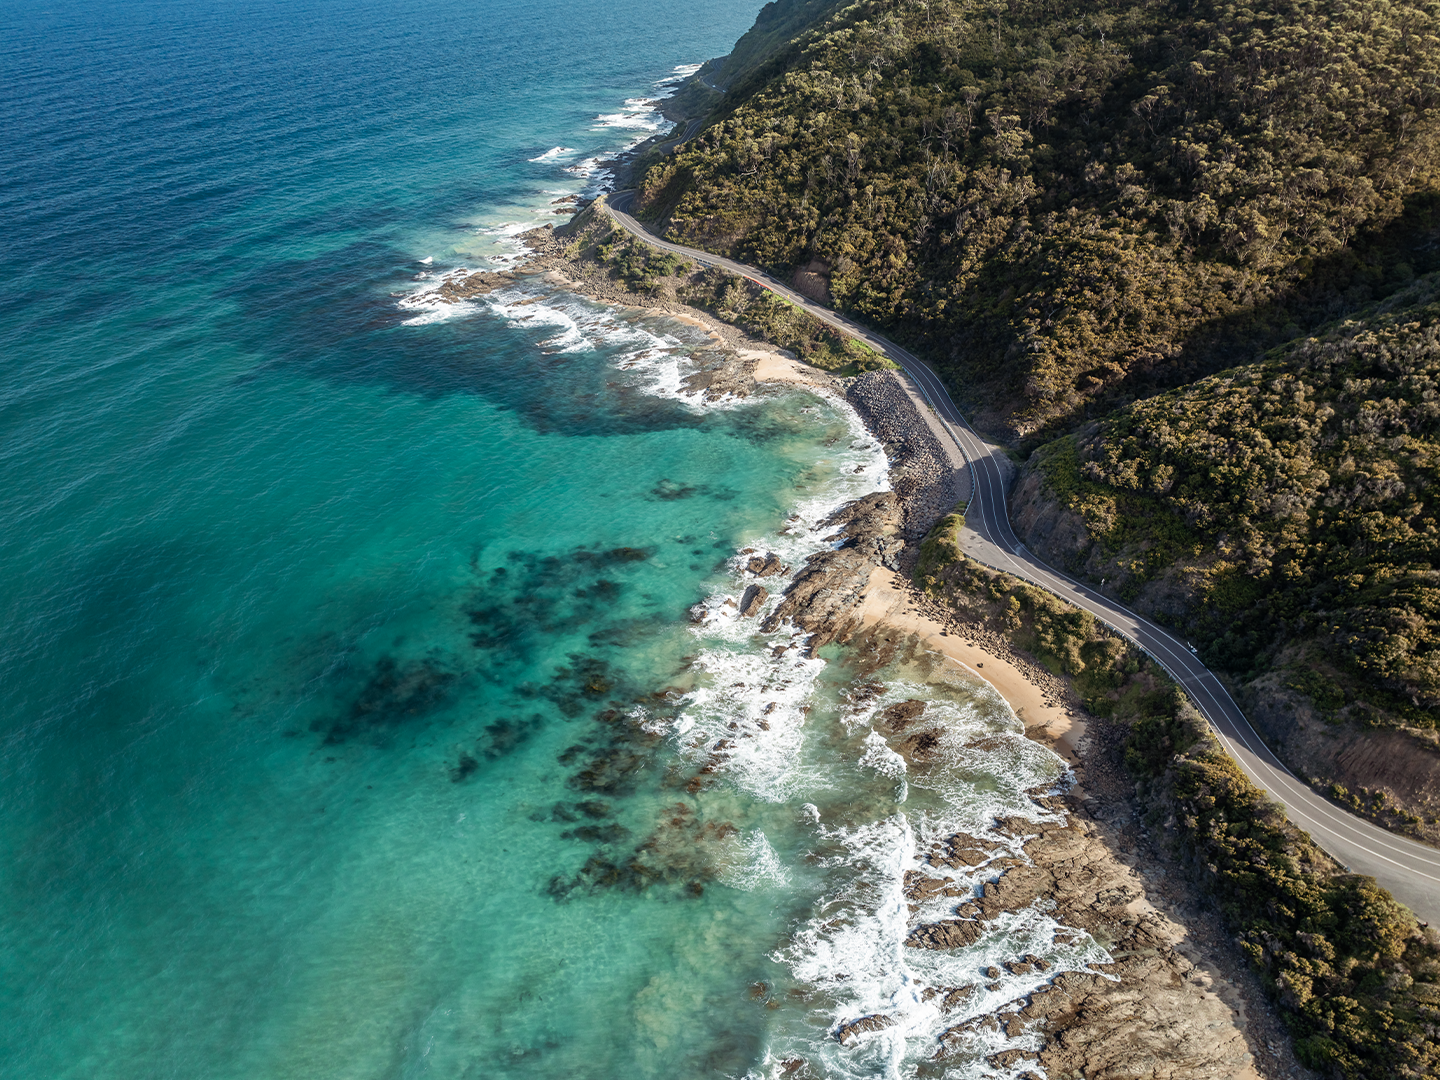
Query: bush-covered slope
[(1285, 514), (1302, 488), (1062, 201)]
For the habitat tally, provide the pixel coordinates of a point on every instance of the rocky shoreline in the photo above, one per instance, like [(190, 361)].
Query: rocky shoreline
[(1177, 1001)]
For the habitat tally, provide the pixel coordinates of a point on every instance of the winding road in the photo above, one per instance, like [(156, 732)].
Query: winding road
[(1410, 870)]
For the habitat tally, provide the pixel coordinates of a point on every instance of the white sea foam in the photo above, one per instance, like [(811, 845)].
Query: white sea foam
[(881, 758), (638, 119), (597, 176), (853, 950), (641, 113), (429, 305), (678, 75), (758, 866), (747, 720), (554, 153), (570, 336)]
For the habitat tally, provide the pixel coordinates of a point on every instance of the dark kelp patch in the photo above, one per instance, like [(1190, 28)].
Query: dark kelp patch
[(501, 737), (534, 596), (394, 695), (682, 852)]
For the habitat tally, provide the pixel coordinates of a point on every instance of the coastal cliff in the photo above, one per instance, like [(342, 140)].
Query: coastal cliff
[(1138, 253), (880, 534)]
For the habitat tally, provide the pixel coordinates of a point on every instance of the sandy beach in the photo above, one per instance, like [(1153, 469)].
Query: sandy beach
[(886, 602)]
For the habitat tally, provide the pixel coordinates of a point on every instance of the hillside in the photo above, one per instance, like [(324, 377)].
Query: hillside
[(1066, 207), (1283, 514), (1077, 213)]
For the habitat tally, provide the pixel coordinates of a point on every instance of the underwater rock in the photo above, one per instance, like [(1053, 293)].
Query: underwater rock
[(610, 773), (597, 834), (897, 718), (670, 491), (463, 768)]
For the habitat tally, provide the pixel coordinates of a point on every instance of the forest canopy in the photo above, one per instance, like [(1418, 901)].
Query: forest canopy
[(1300, 494), (1067, 206)]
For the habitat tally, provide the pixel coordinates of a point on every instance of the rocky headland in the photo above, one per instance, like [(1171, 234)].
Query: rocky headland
[(1177, 999)]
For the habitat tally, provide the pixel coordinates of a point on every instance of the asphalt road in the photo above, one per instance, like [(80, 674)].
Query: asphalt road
[(1410, 870), (691, 127)]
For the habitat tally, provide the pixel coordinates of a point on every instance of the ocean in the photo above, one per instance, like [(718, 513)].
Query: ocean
[(371, 704)]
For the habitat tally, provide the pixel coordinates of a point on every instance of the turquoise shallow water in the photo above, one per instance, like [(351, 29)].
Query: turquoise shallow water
[(355, 723)]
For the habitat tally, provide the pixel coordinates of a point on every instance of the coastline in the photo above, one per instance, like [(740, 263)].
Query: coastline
[(888, 601), (1176, 995)]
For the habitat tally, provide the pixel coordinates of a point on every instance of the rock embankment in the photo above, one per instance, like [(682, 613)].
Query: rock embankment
[(920, 470), (880, 529)]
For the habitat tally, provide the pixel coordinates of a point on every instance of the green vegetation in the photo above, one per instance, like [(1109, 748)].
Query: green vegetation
[(769, 317), (1071, 210), (1065, 206), (940, 547), (1295, 498), (1356, 981), (771, 45), (645, 269), (638, 265)]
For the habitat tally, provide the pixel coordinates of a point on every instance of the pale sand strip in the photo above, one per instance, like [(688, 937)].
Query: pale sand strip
[(885, 602), (772, 364), (779, 366)]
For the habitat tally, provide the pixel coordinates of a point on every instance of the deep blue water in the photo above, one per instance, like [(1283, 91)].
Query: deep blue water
[(353, 718)]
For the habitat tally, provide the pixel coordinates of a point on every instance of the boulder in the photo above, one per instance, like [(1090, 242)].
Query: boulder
[(753, 600)]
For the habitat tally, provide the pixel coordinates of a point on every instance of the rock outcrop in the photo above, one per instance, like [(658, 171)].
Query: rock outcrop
[(461, 285), (753, 600), (1150, 1013), (824, 598)]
